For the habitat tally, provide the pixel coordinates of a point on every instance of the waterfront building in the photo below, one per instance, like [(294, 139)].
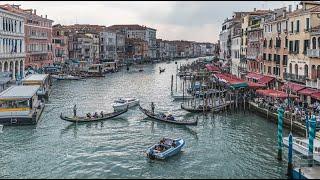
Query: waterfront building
[(255, 40), (112, 46), (225, 40), (302, 67), (43, 80), (84, 47), (139, 32), (275, 43), (38, 36), (59, 44), (12, 43), (160, 53), (136, 49), (20, 105)]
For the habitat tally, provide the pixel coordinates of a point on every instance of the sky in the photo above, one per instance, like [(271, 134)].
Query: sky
[(174, 20)]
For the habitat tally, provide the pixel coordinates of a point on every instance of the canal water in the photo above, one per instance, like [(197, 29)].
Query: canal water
[(225, 145)]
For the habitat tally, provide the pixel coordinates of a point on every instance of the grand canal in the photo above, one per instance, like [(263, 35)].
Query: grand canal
[(225, 145)]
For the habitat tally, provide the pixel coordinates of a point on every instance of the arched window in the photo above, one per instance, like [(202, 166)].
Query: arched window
[(314, 43), (265, 43), (270, 43), (286, 43), (296, 69), (290, 68), (306, 70)]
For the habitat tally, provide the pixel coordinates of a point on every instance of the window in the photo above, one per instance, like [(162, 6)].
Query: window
[(298, 26), (314, 41), (285, 60), (275, 57), (270, 43), (307, 23), (290, 46), (286, 42), (296, 46), (264, 56), (269, 57), (306, 46), (292, 27)]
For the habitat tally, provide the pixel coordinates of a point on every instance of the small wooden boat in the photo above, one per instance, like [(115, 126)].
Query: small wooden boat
[(165, 149), (99, 118), (162, 70), (200, 108), (125, 102), (160, 117)]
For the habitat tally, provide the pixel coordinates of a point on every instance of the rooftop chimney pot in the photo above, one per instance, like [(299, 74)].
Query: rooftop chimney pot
[(35, 12)]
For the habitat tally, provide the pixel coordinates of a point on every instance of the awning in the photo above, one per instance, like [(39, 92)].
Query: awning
[(307, 91), (255, 85), (211, 67), (316, 96), (266, 79), (231, 80), (274, 93), (255, 76), (292, 86)]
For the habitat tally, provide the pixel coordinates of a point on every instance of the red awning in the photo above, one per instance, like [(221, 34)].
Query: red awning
[(252, 75), (229, 78), (211, 67), (316, 96), (293, 86), (307, 91), (255, 85), (274, 93), (265, 80)]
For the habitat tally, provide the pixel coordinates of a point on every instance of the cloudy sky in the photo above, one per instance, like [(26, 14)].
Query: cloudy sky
[(189, 20)]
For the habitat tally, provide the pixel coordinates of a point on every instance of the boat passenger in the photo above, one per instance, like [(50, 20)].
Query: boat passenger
[(95, 115), (75, 110), (152, 107), (101, 113)]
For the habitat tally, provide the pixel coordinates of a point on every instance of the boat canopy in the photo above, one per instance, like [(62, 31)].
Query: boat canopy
[(19, 92), (36, 77)]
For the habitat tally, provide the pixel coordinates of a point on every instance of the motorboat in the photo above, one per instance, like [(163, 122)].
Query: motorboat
[(300, 145), (122, 103), (65, 77), (181, 96), (166, 148)]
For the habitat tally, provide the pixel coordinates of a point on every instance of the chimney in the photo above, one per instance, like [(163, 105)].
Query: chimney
[(290, 8), (35, 12), (41, 16), (284, 13), (46, 17), (297, 7), (254, 9)]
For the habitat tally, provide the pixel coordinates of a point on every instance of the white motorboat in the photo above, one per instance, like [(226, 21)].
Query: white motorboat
[(122, 103), (300, 145), (1, 127), (65, 77)]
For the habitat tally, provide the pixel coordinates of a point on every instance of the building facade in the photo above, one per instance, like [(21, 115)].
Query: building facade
[(59, 45), (12, 44)]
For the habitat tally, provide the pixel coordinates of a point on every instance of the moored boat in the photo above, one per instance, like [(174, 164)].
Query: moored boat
[(201, 108), (170, 119), (165, 149), (65, 77), (122, 103), (301, 146), (93, 119), (181, 96)]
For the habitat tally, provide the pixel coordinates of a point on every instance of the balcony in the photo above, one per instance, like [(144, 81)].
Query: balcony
[(38, 37), (313, 83), (313, 53), (13, 55), (39, 52), (294, 77)]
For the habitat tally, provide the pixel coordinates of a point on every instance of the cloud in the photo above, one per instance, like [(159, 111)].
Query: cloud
[(188, 20)]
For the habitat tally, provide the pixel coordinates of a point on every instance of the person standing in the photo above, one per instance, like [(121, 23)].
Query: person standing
[(75, 110), (152, 107)]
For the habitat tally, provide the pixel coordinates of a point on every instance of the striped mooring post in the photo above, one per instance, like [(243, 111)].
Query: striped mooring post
[(312, 135), (280, 126), (290, 165)]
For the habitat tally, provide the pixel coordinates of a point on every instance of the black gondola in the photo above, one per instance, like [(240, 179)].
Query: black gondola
[(162, 70), (92, 119), (159, 118), (200, 109)]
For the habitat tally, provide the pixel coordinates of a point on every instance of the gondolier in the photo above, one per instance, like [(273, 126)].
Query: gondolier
[(75, 110), (152, 107)]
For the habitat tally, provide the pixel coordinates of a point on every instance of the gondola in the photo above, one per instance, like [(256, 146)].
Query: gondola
[(159, 118), (86, 119), (201, 109), (161, 70)]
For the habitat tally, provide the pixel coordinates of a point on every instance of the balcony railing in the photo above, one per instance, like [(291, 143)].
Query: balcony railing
[(13, 55), (37, 37), (313, 53), (295, 77)]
